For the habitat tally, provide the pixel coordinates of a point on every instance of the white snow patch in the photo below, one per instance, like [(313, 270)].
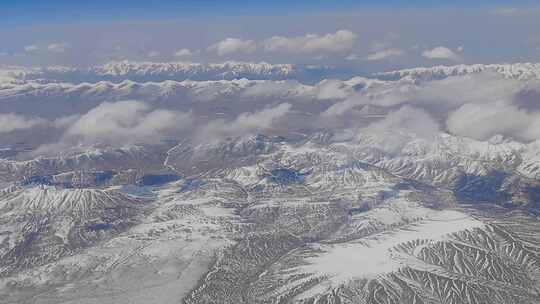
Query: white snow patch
[(373, 256)]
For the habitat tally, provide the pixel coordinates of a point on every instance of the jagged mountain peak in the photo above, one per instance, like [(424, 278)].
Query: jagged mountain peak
[(521, 71)]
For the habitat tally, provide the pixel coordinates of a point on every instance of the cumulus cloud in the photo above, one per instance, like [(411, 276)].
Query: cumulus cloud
[(477, 106), (442, 52), (483, 121), (58, 47), (183, 53), (12, 122), (231, 46), (245, 123), (440, 96), (385, 54), (341, 41), (394, 131), (125, 122), (340, 108), (412, 119), (504, 114), (332, 89)]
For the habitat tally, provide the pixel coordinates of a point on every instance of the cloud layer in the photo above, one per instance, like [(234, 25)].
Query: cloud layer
[(478, 105), (340, 46), (341, 41), (245, 123)]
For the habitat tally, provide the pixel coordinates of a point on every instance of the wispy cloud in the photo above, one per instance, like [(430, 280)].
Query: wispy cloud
[(509, 11), (11, 122), (248, 122), (58, 47), (31, 48), (385, 54), (153, 54)]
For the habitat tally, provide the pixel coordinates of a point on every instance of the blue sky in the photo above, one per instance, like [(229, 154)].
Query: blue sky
[(24, 12), (384, 35)]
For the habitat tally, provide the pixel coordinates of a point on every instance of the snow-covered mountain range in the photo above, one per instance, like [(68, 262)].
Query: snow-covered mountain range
[(128, 183), (521, 71), (159, 71)]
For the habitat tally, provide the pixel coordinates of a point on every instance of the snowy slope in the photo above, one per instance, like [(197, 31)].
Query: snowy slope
[(521, 71)]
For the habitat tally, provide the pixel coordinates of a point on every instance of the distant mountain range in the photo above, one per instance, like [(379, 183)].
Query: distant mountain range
[(155, 71), (521, 71)]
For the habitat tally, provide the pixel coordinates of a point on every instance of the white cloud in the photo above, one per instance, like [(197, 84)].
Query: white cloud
[(352, 57), (508, 11), (339, 42), (439, 95), (416, 120), (332, 89), (231, 46), (12, 122), (245, 123), (58, 47), (394, 131), (153, 54), (341, 108), (442, 52), (385, 54), (65, 121), (483, 121), (503, 110), (183, 53), (31, 48), (478, 106), (270, 89), (125, 122)]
